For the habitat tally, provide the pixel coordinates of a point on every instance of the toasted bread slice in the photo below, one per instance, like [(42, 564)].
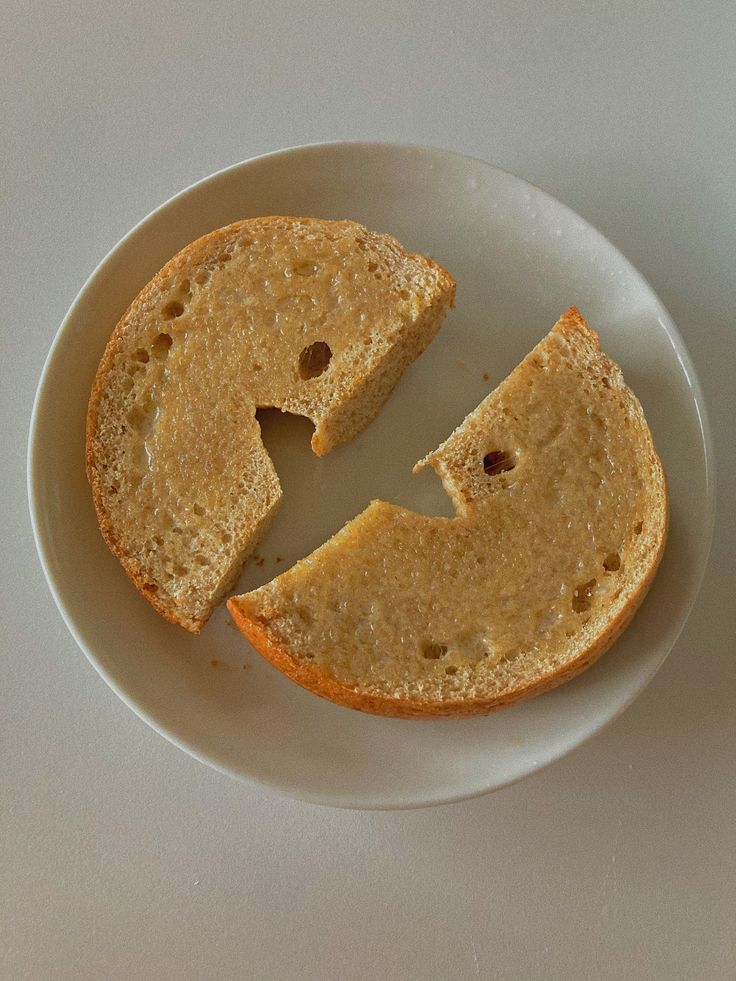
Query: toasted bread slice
[(561, 522), (318, 318)]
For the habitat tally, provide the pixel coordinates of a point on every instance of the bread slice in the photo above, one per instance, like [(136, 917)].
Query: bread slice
[(561, 522), (318, 318)]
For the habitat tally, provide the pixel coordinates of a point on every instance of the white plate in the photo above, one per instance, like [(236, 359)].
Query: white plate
[(519, 258)]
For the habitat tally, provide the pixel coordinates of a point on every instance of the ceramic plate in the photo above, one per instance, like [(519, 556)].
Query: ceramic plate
[(519, 258)]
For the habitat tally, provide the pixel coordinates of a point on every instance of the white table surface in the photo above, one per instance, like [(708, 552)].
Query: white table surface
[(121, 857)]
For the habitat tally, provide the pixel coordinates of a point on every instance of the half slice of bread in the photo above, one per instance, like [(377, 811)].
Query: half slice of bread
[(561, 523), (318, 318)]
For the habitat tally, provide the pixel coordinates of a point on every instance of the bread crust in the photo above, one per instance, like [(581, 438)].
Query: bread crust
[(308, 676)]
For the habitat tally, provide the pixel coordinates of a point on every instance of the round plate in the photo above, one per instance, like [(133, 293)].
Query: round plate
[(519, 258)]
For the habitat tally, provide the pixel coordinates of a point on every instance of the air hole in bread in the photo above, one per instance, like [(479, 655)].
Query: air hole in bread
[(158, 540), (257, 366), (582, 597), (451, 670), (202, 277), (498, 461), (226, 538), (638, 527), (185, 287), (224, 257), (141, 355), (433, 652), (139, 416), (150, 587), (201, 560), (161, 345), (198, 510), (179, 569), (612, 562), (306, 268), (173, 310), (606, 382), (314, 359)]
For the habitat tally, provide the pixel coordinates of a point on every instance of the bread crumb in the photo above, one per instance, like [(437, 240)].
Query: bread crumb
[(246, 667), (486, 376), (278, 559), (215, 663)]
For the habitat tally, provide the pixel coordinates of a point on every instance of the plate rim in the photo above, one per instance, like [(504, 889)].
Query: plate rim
[(340, 799)]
